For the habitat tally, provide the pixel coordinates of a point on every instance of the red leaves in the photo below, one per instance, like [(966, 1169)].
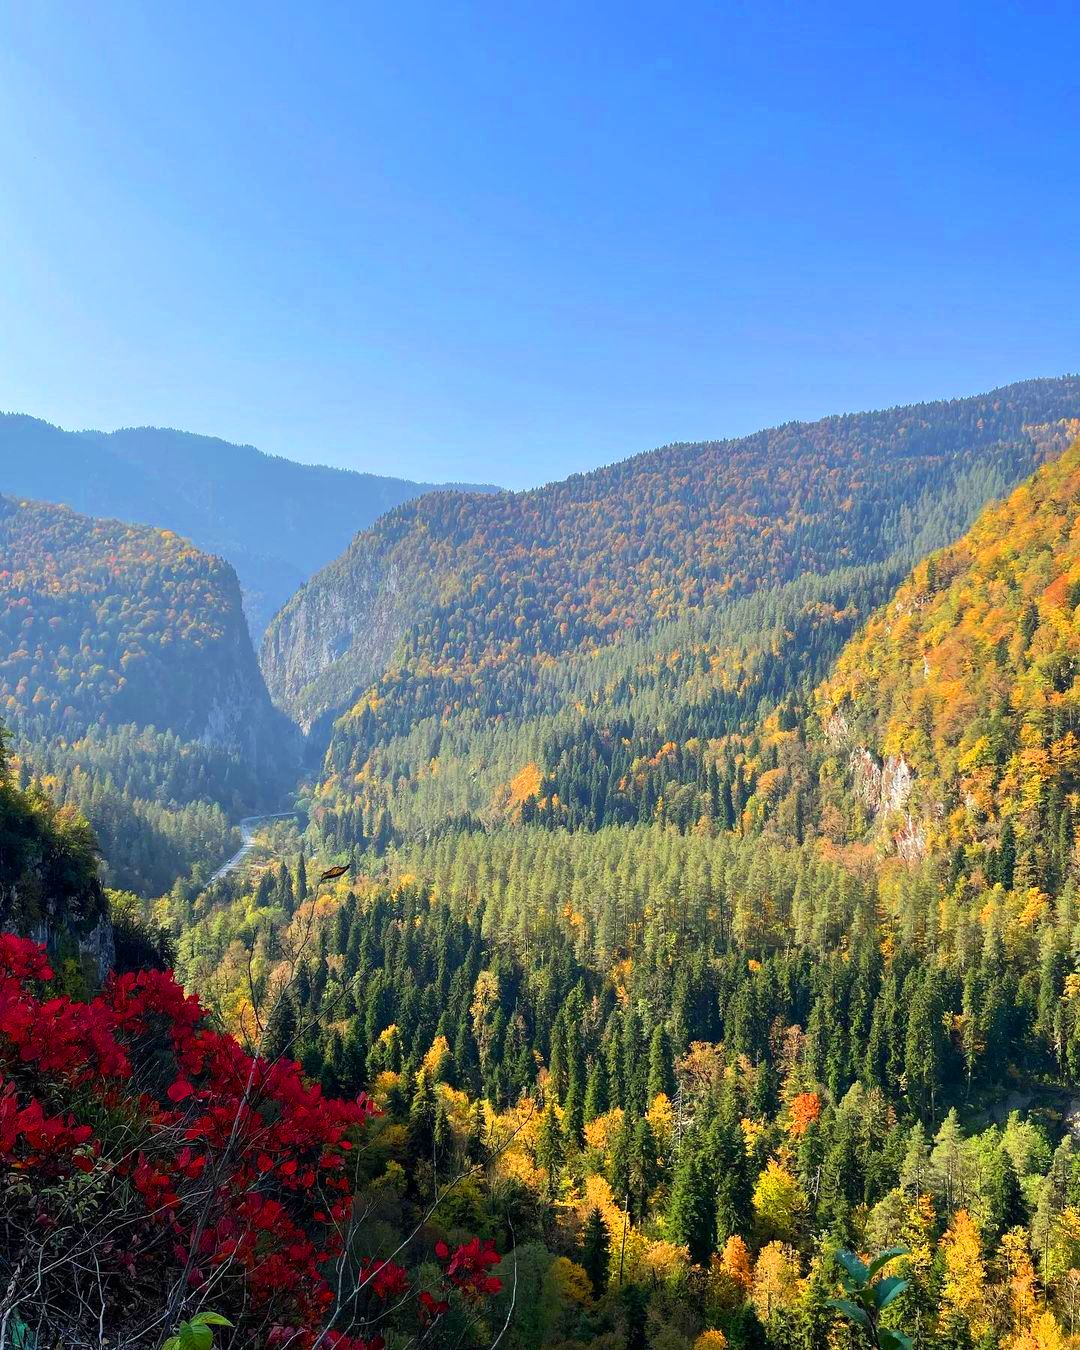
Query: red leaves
[(31, 1139), (22, 960), (211, 1126), (469, 1265), (385, 1279), (431, 1308), (155, 1186)]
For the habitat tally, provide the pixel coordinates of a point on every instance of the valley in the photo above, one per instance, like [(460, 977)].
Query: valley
[(539, 677), (678, 865), (249, 832)]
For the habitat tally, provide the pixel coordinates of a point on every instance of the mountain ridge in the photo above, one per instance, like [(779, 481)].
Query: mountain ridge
[(274, 519), (130, 684), (740, 501)]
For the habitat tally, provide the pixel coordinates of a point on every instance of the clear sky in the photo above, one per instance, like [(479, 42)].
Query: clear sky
[(510, 241)]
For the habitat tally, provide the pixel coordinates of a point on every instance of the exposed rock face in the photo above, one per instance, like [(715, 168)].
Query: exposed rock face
[(910, 840), (97, 948), (885, 787), (886, 790), (837, 731), (240, 716), (359, 607)]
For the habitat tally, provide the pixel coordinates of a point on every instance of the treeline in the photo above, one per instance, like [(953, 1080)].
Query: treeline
[(159, 806)]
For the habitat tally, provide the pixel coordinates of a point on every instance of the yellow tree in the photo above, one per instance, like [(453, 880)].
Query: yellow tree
[(1019, 1272), (735, 1263), (1043, 1334), (776, 1280), (964, 1287), (779, 1205)]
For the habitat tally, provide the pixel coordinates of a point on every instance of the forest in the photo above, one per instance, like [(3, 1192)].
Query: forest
[(796, 980), (684, 964), (129, 685), (461, 631)]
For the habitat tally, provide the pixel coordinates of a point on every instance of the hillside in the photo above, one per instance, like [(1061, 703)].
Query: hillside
[(275, 521), (49, 875), (575, 644), (716, 1025), (953, 718), (128, 679)]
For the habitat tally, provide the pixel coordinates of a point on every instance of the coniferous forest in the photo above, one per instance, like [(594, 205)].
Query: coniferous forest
[(674, 941)]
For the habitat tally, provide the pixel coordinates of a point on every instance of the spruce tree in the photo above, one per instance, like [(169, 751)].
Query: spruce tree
[(551, 1148), (279, 1034), (597, 1098), (661, 1070), (691, 1212), (596, 1252), (421, 1129), (301, 886)]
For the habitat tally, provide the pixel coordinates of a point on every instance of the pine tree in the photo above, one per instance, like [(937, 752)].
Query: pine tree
[(443, 1135), (661, 1072), (301, 886), (551, 1148), (619, 1166), (691, 1212), (596, 1253), (730, 1174), (644, 1165), (574, 1111), (421, 1128), (279, 1035), (354, 1059), (597, 1098)]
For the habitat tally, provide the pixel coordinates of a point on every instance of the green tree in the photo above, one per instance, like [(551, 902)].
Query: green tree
[(596, 1253)]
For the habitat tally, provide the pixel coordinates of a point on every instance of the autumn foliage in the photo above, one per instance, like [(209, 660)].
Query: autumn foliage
[(189, 1170)]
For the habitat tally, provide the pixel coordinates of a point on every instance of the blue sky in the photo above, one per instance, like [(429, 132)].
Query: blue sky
[(508, 242)]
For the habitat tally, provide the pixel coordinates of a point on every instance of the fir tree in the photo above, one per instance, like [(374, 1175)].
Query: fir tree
[(596, 1254)]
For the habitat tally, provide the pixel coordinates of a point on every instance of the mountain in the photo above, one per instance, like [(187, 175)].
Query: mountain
[(276, 521), (576, 645), (953, 718), (129, 681), (723, 940), (674, 951)]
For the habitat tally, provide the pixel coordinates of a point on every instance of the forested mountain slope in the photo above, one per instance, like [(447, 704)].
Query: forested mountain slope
[(276, 521), (496, 650), (128, 678), (953, 718), (716, 1024)]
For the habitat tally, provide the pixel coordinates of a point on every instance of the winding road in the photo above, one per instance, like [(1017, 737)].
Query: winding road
[(248, 826)]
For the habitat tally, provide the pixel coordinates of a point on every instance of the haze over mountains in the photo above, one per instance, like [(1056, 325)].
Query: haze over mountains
[(128, 678), (275, 520)]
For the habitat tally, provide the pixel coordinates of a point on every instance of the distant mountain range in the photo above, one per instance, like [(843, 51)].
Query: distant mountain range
[(277, 522)]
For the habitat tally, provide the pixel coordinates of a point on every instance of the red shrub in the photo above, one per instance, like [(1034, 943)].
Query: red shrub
[(230, 1172)]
